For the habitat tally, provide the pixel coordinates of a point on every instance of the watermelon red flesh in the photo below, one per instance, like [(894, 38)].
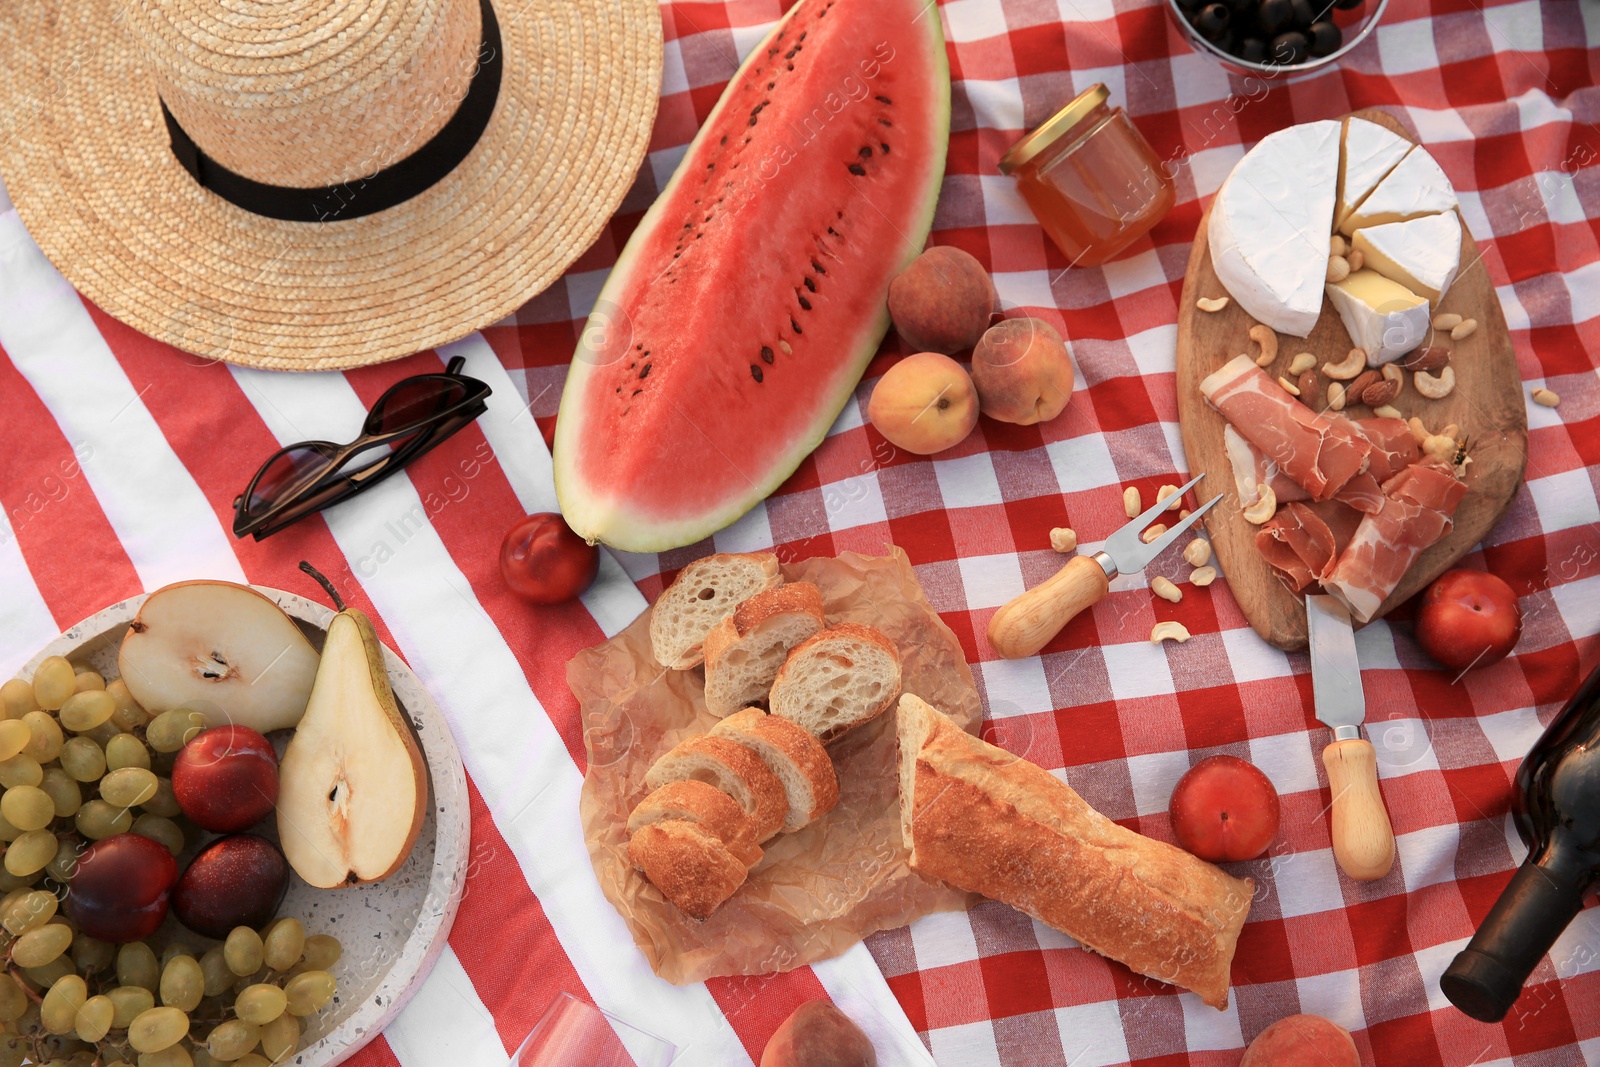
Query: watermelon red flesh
[(748, 302)]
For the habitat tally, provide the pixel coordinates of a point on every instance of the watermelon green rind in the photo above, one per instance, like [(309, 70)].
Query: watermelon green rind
[(600, 515)]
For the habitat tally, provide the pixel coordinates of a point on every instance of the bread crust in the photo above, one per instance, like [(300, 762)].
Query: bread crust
[(691, 867), (989, 822), (769, 804), (743, 623), (867, 634), (798, 747), (765, 562), (706, 805), (791, 596)]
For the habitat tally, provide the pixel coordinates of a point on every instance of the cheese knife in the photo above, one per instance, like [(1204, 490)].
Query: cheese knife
[(1363, 840), (1026, 623)]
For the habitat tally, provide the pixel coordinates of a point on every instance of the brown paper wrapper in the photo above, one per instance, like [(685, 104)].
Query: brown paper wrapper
[(817, 891)]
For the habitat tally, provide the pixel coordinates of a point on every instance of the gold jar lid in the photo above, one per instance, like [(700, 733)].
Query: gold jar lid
[(1054, 127)]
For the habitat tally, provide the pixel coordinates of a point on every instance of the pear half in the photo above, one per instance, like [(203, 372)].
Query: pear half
[(222, 649), (353, 787)]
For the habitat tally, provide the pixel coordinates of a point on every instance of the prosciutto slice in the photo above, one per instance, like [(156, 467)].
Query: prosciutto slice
[(1320, 452), (1302, 542), (1392, 450), (1418, 507)]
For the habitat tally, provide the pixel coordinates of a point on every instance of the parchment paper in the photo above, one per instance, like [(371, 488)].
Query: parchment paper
[(817, 891)]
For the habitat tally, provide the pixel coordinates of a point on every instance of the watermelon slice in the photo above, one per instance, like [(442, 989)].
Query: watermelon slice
[(747, 304)]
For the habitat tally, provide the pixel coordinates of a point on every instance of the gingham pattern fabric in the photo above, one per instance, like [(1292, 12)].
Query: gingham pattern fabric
[(119, 459)]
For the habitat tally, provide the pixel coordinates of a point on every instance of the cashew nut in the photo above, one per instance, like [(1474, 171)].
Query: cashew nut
[(1435, 388), (1451, 430), (1419, 432), (1288, 385), (1338, 268), (1132, 505), (1386, 411), (1264, 508), (1336, 396), (1464, 329), (1063, 540), (1546, 398), (1302, 363), (1203, 576), (1211, 303), (1165, 492), (1446, 320), (1152, 533), (1169, 631), (1262, 335), (1349, 367), (1198, 552), (1163, 588), (1393, 374), (1440, 448)]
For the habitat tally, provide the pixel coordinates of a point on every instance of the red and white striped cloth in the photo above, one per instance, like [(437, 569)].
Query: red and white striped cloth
[(120, 457)]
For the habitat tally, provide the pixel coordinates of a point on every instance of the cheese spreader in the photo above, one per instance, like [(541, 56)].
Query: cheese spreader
[(1026, 623), (1363, 840)]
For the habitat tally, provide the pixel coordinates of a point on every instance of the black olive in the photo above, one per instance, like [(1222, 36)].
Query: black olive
[(1289, 48), (1213, 19), (1325, 38), (1189, 7), (1242, 10), (1346, 5), (1303, 14), (1274, 17), (1253, 50), (1223, 41)]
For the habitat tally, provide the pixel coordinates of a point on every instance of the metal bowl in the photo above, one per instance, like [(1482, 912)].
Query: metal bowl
[(1355, 26)]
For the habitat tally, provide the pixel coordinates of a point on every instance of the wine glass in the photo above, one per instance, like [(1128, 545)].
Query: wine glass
[(572, 1031)]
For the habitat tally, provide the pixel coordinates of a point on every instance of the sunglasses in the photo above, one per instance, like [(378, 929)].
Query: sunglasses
[(411, 417)]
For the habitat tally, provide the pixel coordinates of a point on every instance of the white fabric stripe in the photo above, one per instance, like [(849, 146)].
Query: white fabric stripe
[(508, 743), (519, 448), (169, 535), (446, 1022), (26, 624), (853, 981)]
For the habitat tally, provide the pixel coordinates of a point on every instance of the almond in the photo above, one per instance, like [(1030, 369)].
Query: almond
[(1362, 380), (1307, 384), (1428, 360), (1380, 393)]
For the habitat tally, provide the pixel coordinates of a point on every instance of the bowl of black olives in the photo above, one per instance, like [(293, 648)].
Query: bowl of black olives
[(1275, 37)]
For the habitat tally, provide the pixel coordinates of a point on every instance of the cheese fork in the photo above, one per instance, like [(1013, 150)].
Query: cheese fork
[(1026, 623)]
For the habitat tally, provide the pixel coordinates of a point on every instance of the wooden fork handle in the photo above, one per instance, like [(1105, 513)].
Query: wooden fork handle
[(1026, 623)]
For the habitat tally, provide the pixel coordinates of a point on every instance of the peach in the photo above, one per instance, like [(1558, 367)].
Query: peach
[(942, 301), (924, 404), (1022, 371), (819, 1035), (1298, 1040)]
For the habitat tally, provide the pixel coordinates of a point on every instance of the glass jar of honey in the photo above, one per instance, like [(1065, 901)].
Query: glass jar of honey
[(1091, 178)]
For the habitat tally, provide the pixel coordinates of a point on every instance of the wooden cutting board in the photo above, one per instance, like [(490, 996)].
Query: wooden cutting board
[(1487, 403)]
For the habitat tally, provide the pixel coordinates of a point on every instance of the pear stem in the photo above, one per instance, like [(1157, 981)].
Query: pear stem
[(327, 586)]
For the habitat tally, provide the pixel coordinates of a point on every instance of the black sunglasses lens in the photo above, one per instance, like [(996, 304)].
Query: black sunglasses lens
[(287, 474), (413, 402)]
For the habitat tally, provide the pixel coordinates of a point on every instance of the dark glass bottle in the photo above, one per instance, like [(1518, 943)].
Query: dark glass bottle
[(1557, 811)]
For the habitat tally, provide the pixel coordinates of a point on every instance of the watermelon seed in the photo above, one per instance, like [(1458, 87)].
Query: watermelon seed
[(865, 153), (636, 392), (713, 166), (788, 66), (724, 139), (805, 305), (795, 326), (811, 284), (772, 85), (755, 372), (802, 36), (817, 267), (752, 120), (786, 349), (645, 373), (858, 170), (639, 348), (880, 98), (885, 122), (766, 354), (882, 146)]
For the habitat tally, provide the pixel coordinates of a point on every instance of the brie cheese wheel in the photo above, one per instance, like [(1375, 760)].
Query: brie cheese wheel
[(1421, 254), (1414, 188), (1381, 316), (1270, 225), (1369, 152)]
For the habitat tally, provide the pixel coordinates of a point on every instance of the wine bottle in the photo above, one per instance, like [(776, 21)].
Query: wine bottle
[(1556, 807)]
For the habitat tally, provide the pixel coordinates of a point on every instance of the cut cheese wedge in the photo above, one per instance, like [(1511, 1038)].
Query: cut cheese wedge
[(1270, 224), (1381, 316), (1421, 254), (1367, 154), (1414, 188)]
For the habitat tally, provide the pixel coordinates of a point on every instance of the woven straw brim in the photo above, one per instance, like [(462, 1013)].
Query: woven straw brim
[(86, 158)]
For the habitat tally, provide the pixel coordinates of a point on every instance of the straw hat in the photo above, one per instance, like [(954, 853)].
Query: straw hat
[(344, 111)]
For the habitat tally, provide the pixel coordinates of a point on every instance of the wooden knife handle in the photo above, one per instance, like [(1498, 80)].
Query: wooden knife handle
[(1363, 840), (1026, 623)]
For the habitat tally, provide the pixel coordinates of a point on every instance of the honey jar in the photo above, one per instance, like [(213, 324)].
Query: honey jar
[(1090, 178)]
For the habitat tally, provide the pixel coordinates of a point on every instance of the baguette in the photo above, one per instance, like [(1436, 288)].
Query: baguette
[(699, 597), (797, 758), (704, 804), (744, 651), (691, 867), (988, 822), (844, 676), (733, 769)]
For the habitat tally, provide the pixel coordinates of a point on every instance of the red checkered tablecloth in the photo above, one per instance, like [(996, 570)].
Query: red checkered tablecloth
[(120, 457)]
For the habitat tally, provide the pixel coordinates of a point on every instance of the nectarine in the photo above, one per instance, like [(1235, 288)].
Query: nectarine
[(819, 1035), (1299, 1040), (1022, 371), (942, 301), (924, 404)]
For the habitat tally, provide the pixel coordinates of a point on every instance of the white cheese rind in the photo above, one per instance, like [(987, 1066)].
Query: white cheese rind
[(1387, 333), (1270, 224), (1421, 254), (1416, 186), (1369, 153)]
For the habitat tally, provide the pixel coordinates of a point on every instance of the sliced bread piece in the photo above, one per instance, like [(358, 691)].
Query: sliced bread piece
[(690, 865), (705, 805), (732, 768), (797, 758), (745, 649), (699, 597), (842, 677)]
